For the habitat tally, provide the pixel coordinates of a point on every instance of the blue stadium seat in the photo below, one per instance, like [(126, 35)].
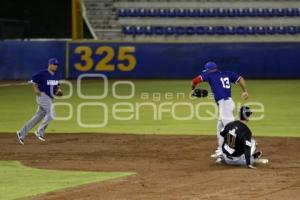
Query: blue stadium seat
[(180, 12), (240, 12), (270, 12), (131, 13), (250, 30), (260, 30), (211, 30), (258, 12), (267, 12), (221, 12), (158, 30), (192, 12), (231, 30), (281, 30), (297, 12), (152, 13), (146, 13), (210, 12), (149, 30), (291, 12), (122, 13), (141, 12), (140, 30), (221, 30), (292, 30), (271, 30), (232, 12), (171, 13), (241, 30), (179, 30), (200, 12), (286, 11), (129, 30), (190, 30), (169, 30), (279, 12), (250, 12), (201, 30), (163, 12)]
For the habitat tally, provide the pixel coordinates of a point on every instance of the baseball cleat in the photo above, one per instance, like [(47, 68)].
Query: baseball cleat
[(261, 161), (21, 141), (41, 138), (257, 155), (220, 160), (217, 154)]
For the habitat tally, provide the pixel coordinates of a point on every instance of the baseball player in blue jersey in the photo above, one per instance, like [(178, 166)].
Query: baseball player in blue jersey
[(45, 84), (220, 83)]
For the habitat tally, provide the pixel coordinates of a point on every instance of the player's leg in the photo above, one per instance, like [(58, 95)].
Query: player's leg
[(220, 139), (40, 114), (253, 146), (220, 127), (237, 160), (47, 119), (226, 111)]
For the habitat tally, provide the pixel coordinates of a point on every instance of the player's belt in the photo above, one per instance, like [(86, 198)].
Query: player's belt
[(223, 99)]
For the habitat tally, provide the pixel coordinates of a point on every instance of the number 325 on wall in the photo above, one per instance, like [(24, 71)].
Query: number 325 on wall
[(124, 55)]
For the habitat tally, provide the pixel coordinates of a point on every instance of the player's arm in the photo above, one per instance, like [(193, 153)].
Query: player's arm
[(247, 149), (35, 79), (36, 89), (242, 83), (197, 80), (224, 131), (58, 91)]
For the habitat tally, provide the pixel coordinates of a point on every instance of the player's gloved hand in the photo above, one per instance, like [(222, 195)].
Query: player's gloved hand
[(250, 167), (59, 93), (245, 95), (200, 93)]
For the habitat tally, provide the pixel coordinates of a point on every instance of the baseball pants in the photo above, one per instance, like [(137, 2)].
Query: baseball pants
[(241, 160), (226, 108), (45, 111)]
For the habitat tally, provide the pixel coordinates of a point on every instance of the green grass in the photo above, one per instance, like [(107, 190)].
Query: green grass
[(18, 181), (280, 99)]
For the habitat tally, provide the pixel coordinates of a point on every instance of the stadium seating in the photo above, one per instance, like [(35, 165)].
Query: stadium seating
[(210, 12), (264, 20), (211, 30)]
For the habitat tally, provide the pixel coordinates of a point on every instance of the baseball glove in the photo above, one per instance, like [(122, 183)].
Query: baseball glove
[(59, 93), (200, 93)]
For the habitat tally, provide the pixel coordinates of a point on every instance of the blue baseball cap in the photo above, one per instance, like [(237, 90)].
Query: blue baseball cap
[(53, 61), (209, 66)]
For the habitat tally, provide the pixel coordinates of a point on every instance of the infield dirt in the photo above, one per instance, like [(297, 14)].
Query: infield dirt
[(166, 167)]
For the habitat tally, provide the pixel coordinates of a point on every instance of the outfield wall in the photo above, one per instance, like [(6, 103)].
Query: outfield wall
[(18, 60)]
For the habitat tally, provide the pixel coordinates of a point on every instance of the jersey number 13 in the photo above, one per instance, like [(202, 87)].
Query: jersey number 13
[(225, 82)]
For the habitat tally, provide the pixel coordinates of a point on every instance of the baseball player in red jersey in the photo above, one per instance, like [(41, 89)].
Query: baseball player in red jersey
[(220, 83)]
